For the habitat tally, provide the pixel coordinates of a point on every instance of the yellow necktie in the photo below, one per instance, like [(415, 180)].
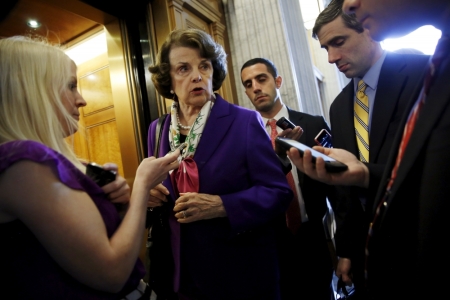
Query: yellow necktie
[(361, 119)]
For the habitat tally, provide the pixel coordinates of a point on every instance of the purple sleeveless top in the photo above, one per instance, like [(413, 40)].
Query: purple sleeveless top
[(26, 268)]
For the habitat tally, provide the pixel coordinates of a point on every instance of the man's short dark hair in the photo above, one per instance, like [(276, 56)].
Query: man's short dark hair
[(269, 64), (330, 13)]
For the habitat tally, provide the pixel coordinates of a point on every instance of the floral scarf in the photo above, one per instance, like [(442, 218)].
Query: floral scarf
[(185, 178)]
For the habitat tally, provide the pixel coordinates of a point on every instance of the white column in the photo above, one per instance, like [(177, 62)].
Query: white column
[(301, 57), (257, 28)]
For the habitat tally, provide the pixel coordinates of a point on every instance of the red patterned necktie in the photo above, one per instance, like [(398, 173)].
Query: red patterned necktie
[(293, 215), (441, 52)]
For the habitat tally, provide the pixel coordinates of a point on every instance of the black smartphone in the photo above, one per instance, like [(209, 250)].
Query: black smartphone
[(100, 175), (331, 165), (324, 139), (181, 147), (284, 123)]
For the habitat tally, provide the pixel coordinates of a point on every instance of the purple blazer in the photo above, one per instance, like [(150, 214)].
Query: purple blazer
[(236, 255)]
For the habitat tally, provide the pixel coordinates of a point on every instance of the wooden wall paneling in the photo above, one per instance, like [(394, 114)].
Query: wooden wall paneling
[(96, 89), (190, 20), (103, 143), (79, 142), (176, 7), (100, 139), (98, 114), (225, 91)]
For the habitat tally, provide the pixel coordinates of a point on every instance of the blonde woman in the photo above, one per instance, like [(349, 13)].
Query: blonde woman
[(61, 236)]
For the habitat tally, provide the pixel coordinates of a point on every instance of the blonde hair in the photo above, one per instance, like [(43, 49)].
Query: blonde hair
[(33, 76)]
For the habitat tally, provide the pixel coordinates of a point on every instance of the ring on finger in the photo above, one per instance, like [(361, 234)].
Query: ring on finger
[(184, 213)]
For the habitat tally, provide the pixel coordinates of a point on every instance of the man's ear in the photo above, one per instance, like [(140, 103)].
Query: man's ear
[(278, 81)]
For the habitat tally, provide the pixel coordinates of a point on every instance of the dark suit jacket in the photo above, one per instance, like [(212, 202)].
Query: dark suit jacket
[(236, 255), (399, 76), (408, 254), (305, 259), (313, 191)]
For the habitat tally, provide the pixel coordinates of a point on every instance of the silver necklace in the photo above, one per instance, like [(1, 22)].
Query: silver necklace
[(181, 125)]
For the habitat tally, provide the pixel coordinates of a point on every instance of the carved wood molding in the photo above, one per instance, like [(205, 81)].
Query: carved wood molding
[(203, 9), (218, 29)]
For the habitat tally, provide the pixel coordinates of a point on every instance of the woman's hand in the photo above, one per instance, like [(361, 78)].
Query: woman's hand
[(118, 191), (191, 207), (152, 171), (157, 196)]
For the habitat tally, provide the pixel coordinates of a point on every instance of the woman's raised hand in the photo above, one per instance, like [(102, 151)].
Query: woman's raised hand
[(152, 171)]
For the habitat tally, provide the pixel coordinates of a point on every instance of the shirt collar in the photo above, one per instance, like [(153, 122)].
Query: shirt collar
[(282, 113), (371, 77)]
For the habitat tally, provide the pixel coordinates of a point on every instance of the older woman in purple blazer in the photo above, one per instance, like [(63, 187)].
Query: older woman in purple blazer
[(229, 187)]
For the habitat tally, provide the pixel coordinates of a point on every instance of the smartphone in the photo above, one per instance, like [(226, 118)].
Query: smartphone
[(331, 165), (181, 147), (100, 175), (284, 123), (324, 139)]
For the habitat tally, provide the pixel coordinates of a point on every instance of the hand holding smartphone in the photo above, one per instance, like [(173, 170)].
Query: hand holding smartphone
[(331, 165), (99, 174), (284, 123), (181, 148), (324, 139)]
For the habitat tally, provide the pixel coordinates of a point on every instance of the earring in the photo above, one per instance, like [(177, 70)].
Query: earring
[(171, 91)]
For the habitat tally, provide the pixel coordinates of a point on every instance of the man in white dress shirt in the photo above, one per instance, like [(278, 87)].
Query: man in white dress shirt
[(305, 261)]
